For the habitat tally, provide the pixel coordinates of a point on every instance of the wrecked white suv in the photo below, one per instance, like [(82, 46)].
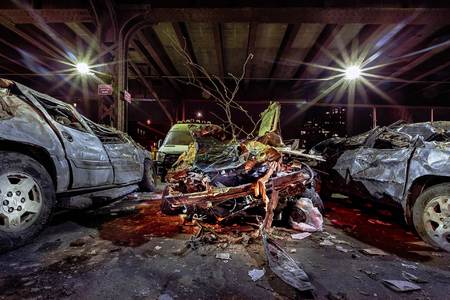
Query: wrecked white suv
[(51, 156)]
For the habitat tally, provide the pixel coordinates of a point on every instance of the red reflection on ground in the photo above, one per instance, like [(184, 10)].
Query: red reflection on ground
[(381, 229), (137, 229), (150, 222)]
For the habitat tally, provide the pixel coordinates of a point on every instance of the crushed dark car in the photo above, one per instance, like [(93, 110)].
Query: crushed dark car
[(407, 165), (219, 179)]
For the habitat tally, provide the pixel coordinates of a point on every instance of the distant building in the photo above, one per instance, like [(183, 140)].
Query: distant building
[(141, 133), (321, 125), (335, 121)]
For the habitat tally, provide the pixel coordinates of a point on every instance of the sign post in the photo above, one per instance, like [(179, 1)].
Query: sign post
[(126, 96)]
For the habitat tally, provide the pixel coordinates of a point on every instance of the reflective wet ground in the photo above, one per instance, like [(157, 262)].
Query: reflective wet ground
[(382, 228), (131, 251)]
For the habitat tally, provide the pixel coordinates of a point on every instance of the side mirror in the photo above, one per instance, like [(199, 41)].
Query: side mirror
[(159, 143)]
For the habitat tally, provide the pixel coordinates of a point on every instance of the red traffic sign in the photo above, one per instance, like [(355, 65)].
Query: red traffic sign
[(105, 89), (126, 96)]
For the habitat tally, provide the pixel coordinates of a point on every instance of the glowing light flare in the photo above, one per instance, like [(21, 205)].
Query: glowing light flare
[(83, 68), (352, 72), (199, 114)]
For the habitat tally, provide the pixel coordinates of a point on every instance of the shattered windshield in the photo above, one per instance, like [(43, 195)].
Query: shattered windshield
[(178, 137)]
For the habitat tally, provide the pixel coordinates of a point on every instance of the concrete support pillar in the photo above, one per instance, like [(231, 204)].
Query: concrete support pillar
[(128, 27), (107, 28), (119, 103), (374, 117)]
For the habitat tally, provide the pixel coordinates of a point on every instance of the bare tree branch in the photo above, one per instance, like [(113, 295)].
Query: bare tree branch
[(216, 88)]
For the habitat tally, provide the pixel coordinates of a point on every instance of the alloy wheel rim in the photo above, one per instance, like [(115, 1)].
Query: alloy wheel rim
[(436, 218), (20, 201)]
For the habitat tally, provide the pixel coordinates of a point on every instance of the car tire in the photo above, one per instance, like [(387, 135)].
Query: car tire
[(27, 199), (431, 216), (148, 183)]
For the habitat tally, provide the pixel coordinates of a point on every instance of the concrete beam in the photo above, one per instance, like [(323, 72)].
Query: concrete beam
[(149, 87), (330, 15), (327, 15), (251, 47), (31, 16), (218, 39), (286, 43), (324, 40), (151, 56), (184, 39)]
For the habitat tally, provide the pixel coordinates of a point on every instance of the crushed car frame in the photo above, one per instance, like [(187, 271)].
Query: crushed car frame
[(216, 169), (50, 156), (219, 179), (403, 164)]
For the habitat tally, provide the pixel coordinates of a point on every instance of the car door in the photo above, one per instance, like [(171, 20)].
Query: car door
[(89, 161), (126, 161), (126, 158), (380, 165)]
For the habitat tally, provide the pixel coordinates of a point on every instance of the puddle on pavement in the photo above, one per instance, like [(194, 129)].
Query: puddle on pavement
[(381, 229), (136, 229)]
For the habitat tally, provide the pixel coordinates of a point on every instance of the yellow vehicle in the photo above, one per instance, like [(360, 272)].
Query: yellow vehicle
[(174, 144)]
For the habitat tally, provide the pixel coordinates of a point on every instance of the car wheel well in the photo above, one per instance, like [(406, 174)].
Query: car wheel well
[(38, 153), (419, 185)]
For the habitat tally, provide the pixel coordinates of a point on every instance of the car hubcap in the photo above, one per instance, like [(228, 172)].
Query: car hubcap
[(20, 201), (436, 219)]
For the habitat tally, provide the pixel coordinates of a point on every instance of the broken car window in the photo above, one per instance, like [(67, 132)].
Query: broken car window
[(178, 137), (105, 134), (61, 114)]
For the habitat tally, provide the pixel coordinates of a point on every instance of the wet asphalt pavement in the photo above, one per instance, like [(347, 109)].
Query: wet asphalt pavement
[(118, 253)]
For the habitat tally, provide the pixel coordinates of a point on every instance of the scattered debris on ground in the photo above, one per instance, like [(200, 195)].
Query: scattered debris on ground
[(256, 274), (373, 252), (284, 266), (401, 285), (412, 277), (223, 256), (409, 266), (219, 180), (342, 249), (300, 236)]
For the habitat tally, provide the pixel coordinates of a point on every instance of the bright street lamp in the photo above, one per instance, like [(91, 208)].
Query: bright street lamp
[(352, 72), (83, 68)]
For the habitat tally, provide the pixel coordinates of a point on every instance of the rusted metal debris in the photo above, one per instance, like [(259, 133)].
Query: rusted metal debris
[(219, 179), (284, 266)]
